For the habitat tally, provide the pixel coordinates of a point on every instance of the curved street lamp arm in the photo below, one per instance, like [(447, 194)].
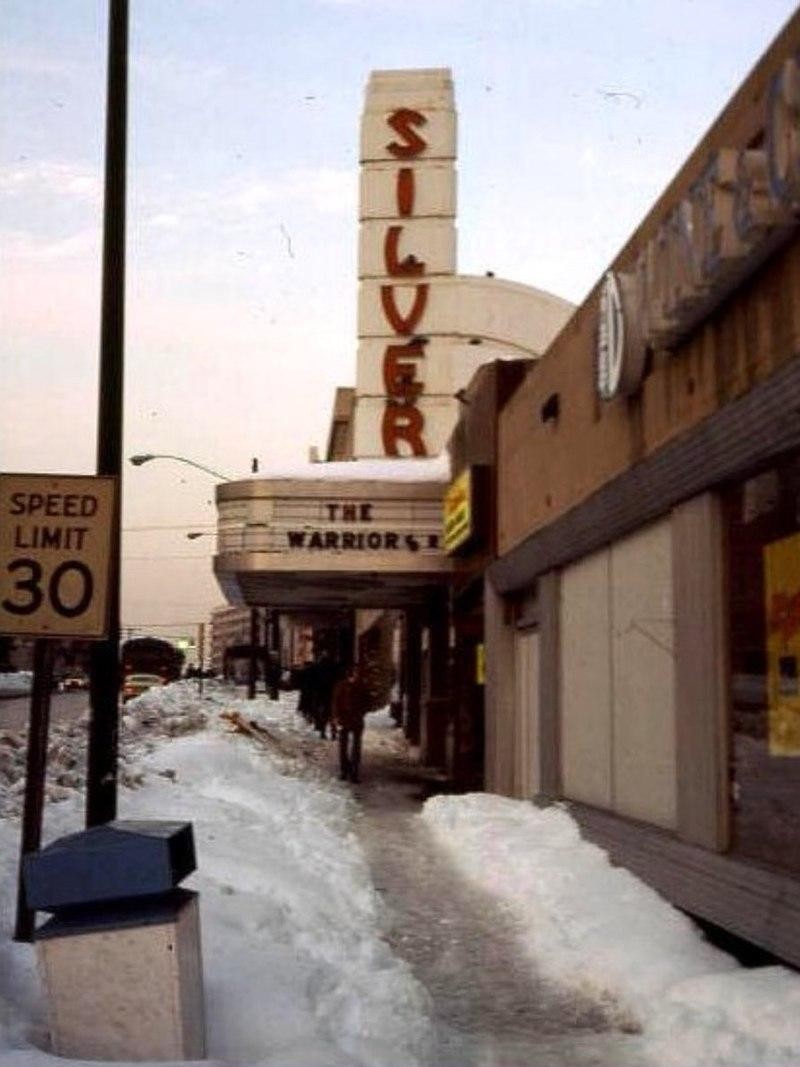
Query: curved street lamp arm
[(138, 460)]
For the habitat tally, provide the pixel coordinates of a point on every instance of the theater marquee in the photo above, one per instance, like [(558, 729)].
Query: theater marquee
[(319, 525)]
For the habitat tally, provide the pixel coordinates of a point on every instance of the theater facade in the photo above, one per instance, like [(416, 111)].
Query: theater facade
[(365, 536)]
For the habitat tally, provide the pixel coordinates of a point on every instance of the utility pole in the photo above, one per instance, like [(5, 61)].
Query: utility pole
[(101, 778)]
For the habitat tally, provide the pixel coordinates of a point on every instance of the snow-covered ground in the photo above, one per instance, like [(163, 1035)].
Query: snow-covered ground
[(297, 972), (599, 930)]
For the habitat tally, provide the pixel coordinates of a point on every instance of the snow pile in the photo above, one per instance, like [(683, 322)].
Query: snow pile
[(598, 929), (66, 748), (15, 683), (156, 714), (296, 972), (170, 710)]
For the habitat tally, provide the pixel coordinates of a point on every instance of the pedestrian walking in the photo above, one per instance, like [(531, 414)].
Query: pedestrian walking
[(349, 709), (306, 683), (272, 675), (325, 678)]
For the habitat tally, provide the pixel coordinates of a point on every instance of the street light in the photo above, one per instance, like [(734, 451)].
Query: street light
[(145, 457)]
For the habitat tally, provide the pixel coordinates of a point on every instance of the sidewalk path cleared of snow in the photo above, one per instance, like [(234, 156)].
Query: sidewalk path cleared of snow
[(490, 1005)]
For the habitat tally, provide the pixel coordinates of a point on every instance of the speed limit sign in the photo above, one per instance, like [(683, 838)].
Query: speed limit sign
[(55, 554)]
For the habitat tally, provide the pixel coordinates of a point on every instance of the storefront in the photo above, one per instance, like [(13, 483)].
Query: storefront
[(643, 618), (470, 540)]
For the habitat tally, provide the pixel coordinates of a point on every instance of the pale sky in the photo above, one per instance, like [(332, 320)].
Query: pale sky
[(242, 225)]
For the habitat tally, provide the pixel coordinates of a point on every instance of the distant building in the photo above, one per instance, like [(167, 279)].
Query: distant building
[(230, 626)]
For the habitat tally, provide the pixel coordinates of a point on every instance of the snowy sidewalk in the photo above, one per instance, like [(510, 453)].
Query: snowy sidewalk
[(297, 973), (488, 1006), (354, 927), (536, 951)]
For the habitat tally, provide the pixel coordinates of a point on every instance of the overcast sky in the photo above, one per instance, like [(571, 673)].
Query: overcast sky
[(243, 156)]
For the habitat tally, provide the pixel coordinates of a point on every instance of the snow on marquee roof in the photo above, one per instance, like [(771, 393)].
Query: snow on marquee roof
[(435, 469)]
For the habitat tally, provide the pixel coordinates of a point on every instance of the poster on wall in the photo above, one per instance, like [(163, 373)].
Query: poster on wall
[(782, 591)]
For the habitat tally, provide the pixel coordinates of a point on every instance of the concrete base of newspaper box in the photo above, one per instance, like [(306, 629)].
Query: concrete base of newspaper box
[(125, 981)]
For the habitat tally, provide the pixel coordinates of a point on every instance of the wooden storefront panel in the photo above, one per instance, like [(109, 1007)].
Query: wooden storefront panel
[(585, 682), (499, 641), (526, 719), (643, 686), (701, 672), (550, 685)]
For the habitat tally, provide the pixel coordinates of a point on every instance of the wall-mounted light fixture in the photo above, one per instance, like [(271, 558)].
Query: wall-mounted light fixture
[(551, 408)]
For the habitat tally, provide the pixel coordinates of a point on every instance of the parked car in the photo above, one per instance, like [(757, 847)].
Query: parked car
[(136, 684), (15, 683), (73, 682)]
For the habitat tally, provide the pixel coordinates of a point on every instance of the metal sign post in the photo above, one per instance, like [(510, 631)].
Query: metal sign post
[(38, 732), (101, 777)]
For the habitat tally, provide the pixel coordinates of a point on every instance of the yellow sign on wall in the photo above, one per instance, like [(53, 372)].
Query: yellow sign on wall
[(458, 511), (480, 664), (782, 592)]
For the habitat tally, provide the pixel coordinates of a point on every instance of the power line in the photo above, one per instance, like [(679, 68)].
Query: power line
[(158, 559), (183, 526)]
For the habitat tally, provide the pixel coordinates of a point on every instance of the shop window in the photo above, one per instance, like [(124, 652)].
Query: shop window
[(763, 521)]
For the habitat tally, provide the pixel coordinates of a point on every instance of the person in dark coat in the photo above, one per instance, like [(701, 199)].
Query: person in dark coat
[(325, 678), (272, 676), (349, 706), (306, 684)]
